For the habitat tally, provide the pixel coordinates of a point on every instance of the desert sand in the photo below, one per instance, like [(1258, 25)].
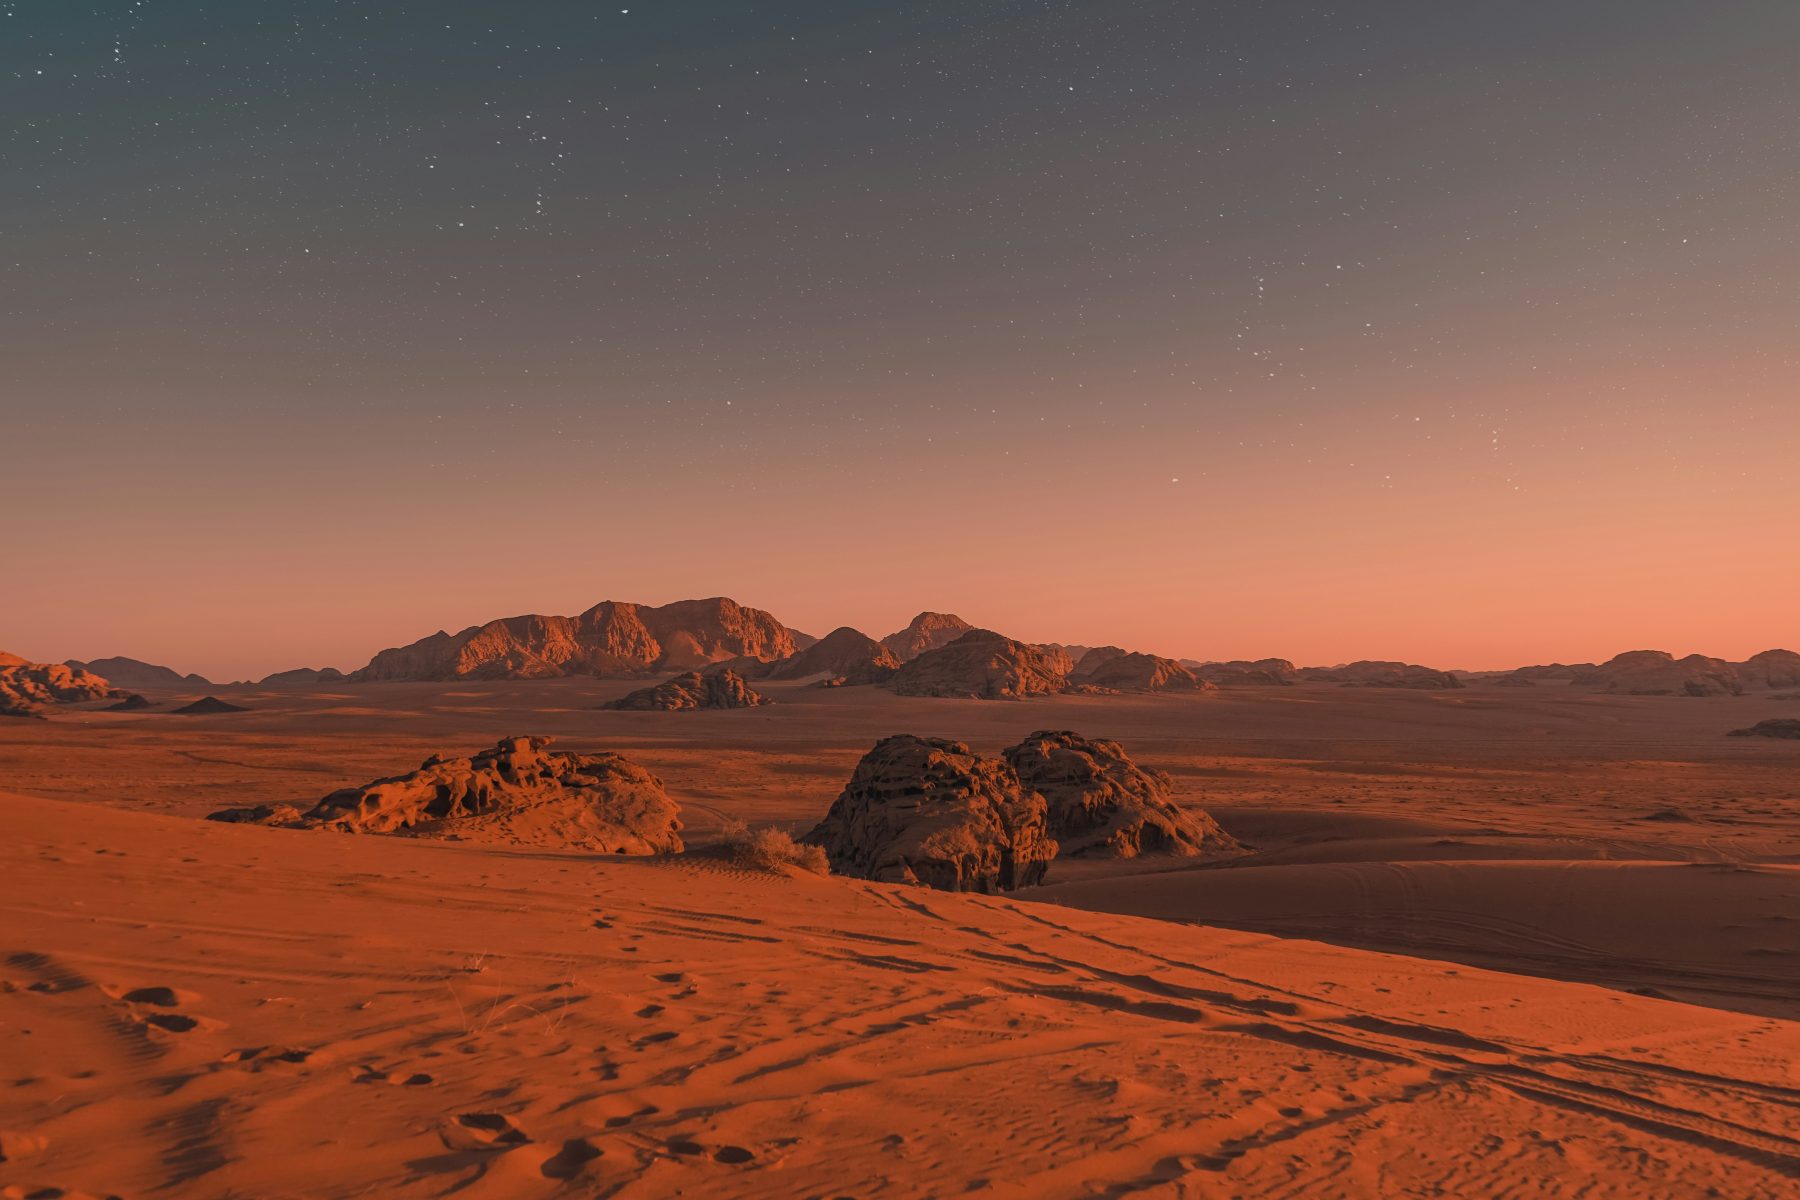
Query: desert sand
[(1487, 941)]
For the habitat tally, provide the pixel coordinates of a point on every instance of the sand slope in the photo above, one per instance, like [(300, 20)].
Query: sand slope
[(215, 1010)]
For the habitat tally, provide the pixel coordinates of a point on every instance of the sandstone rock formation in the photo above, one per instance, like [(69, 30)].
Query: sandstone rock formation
[(1261, 672), (516, 792), (208, 705), (1382, 674), (927, 810), (928, 631), (1771, 669), (27, 687), (1103, 805), (1658, 673), (611, 639), (696, 689), (980, 665), (1140, 673), (1780, 727), (303, 675), (843, 653), (1093, 659)]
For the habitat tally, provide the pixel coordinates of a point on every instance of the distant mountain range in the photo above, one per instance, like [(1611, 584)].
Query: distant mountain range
[(622, 640)]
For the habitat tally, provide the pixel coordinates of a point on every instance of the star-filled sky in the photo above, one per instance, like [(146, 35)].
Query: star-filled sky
[(1459, 333)]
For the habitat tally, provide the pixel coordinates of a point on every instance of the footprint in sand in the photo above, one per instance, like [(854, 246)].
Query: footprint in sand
[(256, 1058), (730, 1155), (157, 997), (482, 1131), (623, 1119), (371, 1074), (571, 1160)]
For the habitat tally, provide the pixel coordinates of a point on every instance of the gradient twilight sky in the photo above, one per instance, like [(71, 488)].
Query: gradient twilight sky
[(1464, 334)]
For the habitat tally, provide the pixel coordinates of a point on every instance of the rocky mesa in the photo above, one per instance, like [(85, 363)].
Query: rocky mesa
[(612, 639)]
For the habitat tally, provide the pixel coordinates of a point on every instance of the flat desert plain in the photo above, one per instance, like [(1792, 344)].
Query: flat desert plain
[(1521, 942)]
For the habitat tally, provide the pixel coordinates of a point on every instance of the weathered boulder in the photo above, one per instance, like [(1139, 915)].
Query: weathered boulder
[(928, 631), (980, 665), (844, 653), (1103, 805), (929, 811), (696, 689), (517, 792)]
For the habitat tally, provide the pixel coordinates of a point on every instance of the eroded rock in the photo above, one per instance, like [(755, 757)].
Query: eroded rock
[(930, 811), (695, 690), (517, 792), (1101, 804)]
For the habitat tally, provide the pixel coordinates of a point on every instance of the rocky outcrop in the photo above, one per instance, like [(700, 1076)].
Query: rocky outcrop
[(1657, 673), (845, 654), (928, 631), (207, 706), (980, 665), (929, 811), (611, 639), (132, 673), (131, 703), (1771, 669), (1093, 659), (1141, 673), (696, 689), (27, 688), (1780, 727), (1382, 675), (1103, 805), (1261, 672), (517, 793), (300, 675)]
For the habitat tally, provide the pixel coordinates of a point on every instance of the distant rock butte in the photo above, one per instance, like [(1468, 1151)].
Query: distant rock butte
[(929, 811), (134, 673), (515, 793), (1139, 673), (1780, 727), (303, 675), (1383, 675), (207, 705), (1657, 673), (980, 665), (27, 688), (1261, 672), (131, 703), (844, 653), (928, 631), (696, 689), (1103, 805), (1771, 669), (611, 639)]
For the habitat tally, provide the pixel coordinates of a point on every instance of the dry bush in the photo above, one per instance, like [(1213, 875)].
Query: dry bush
[(770, 848)]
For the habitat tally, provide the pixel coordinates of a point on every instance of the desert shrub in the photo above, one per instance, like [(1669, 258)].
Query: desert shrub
[(769, 848)]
